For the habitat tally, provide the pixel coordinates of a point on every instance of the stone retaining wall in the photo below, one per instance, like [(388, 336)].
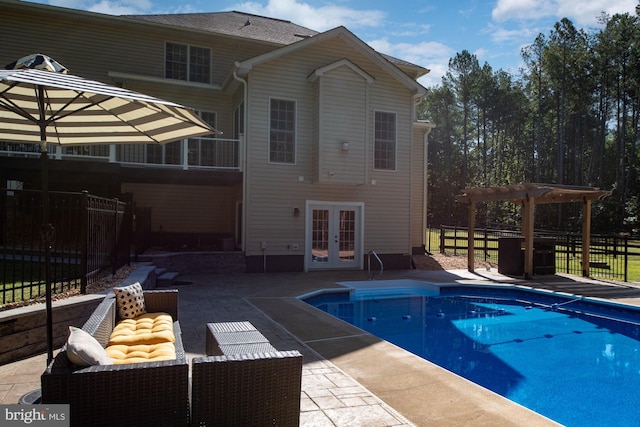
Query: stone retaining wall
[(23, 330)]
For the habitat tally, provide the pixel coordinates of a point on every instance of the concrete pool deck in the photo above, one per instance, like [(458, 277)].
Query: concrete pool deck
[(349, 377)]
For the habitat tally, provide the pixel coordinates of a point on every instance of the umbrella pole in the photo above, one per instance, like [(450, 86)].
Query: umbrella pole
[(45, 235)]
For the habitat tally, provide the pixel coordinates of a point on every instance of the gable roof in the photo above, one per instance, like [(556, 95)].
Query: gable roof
[(244, 67), (341, 63), (254, 27), (235, 24)]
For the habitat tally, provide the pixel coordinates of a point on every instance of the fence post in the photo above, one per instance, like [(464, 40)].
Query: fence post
[(442, 240), (567, 253), (455, 240), (626, 258), (114, 258), (128, 223), (84, 241), (486, 244)]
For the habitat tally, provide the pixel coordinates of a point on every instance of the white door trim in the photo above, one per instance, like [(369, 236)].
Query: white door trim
[(310, 205)]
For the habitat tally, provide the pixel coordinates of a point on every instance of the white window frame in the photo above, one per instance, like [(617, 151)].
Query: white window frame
[(188, 74), (295, 131), (395, 141)]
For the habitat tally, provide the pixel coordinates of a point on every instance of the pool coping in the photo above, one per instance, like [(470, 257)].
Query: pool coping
[(423, 392), (451, 407)]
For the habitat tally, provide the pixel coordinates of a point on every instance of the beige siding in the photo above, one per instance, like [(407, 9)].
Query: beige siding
[(274, 189), (187, 208), (342, 120), (93, 45), (338, 106)]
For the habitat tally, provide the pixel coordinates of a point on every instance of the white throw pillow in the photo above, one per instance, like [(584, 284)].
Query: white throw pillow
[(130, 301), (84, 350)]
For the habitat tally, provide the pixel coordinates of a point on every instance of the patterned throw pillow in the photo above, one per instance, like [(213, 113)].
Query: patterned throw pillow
[(130, 301), (84, 350)]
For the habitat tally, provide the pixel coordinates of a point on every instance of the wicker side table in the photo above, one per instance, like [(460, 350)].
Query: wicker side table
[(226, 338)]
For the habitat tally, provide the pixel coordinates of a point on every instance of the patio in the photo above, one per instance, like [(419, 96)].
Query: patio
[(349, 378)]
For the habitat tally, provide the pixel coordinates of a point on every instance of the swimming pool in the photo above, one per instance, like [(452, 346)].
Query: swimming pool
[(576, 361)]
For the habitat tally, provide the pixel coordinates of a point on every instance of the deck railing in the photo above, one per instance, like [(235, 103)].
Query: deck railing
[(195, 153)]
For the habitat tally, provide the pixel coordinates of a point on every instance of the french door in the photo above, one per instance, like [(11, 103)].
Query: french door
[(334, 234)]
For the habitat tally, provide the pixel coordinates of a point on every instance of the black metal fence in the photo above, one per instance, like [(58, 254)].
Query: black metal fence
[(609, 255), (92, 238)]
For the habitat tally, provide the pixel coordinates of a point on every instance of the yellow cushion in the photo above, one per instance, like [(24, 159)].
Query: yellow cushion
[(150, 328), (121, 354)]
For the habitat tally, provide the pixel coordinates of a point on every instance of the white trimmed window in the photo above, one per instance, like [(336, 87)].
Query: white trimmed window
[(186, 62), (384, 150), (282, 131)]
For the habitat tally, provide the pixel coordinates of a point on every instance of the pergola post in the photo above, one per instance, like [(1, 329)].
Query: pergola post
[(528, 195), (527, 231), (470, 237), (586, 236)]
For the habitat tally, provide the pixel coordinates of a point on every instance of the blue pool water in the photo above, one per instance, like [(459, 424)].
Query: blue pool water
[(576, 362)]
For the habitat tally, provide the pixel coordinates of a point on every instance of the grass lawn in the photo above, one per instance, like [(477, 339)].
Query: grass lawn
[(23, 281)]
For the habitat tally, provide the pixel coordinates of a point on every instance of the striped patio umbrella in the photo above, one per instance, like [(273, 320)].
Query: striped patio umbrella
[(40, 103)]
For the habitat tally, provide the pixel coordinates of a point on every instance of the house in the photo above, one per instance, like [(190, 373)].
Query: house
[(321, 158)]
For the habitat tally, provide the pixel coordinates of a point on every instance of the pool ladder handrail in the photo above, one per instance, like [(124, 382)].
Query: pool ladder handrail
[(372, 252)]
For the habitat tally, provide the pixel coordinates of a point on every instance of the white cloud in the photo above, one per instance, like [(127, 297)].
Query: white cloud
[(585, 12), (432, 55), (481, 54), (122, 7), (118, 7), (589, 11), (317, 18), (522, 9), (504, 35)]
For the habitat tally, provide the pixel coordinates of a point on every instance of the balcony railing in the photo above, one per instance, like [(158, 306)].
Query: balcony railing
[(195, 153)]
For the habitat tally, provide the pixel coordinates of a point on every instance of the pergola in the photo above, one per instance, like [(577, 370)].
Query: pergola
[(528, 195)]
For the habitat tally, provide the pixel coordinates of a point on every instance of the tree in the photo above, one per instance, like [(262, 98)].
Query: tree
[(572, 117)]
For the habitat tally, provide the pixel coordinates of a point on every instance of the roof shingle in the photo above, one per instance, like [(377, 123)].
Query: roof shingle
[(237, 24)]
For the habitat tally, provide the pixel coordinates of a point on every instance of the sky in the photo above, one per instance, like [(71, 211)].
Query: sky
[(424, 32)]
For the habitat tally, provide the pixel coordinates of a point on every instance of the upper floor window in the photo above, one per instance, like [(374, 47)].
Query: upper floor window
[(384, 150), (282, 131), (189, 63)]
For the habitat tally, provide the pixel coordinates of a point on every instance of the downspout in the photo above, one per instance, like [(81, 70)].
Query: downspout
[(243, 159), (426, 127), (424, 190)]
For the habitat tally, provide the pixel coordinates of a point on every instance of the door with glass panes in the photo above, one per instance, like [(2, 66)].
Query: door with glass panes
[(334, 236)]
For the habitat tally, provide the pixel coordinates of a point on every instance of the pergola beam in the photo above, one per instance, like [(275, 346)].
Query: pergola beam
[(528, 195)]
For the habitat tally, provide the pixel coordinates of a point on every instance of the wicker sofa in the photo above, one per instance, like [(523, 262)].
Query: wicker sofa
[(134, 394), (244, 381)]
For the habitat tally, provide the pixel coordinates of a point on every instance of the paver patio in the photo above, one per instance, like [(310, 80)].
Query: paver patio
[(349, 377)]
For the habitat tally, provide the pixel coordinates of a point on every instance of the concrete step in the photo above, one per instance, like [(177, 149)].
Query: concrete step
[(166, 279), (143, 263)]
